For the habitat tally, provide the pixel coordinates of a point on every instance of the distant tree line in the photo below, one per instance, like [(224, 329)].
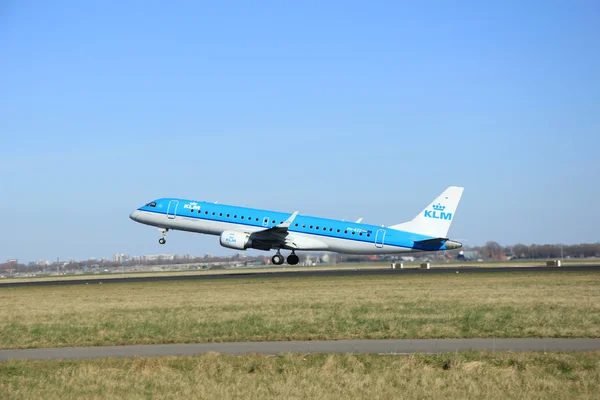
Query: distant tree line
[(490, 250), (522, 251), (111, 265)]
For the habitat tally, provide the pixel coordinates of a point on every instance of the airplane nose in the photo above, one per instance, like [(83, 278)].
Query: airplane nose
[(134, 215)]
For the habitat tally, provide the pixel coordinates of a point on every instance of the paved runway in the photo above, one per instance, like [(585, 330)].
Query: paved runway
[(305, 273), (402, 346)]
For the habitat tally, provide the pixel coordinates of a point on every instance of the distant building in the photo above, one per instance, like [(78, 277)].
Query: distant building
[(118, 257), (43, 263), (468, 255), (155, 257)]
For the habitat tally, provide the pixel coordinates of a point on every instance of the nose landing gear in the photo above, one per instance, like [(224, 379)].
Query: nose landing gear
[(163, 239)]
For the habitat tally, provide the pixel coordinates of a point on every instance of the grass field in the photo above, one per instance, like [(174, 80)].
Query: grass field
[(556, 304), (212, 376)]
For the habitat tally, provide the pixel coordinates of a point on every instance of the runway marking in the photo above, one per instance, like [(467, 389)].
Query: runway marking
[(390, 347)]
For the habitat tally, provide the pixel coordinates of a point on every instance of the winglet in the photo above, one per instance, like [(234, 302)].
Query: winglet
[(358, 221), (288, 222)]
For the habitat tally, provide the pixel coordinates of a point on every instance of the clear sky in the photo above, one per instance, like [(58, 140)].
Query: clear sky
[(339, 109)]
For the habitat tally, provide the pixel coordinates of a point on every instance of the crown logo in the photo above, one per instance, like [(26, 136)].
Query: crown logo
[(439, 207)]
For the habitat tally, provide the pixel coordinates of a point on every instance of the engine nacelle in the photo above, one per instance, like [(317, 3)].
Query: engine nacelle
[(235, 240)]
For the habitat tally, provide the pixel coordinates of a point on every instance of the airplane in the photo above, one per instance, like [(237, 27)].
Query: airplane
[(244, 228)]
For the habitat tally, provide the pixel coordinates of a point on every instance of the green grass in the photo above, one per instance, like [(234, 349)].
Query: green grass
[(558, 304), (456, 376)]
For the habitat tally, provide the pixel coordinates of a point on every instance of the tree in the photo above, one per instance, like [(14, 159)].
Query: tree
[(492, 249), (521, 251)]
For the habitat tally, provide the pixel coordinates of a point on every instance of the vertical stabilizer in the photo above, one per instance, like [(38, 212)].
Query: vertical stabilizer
[(436, 218)]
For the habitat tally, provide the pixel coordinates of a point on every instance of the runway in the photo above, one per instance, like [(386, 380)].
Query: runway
[(304, 273), (401, 346)]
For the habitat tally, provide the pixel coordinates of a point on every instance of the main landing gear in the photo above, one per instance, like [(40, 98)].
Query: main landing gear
[(293, 259), (278, 259), (163, 239)]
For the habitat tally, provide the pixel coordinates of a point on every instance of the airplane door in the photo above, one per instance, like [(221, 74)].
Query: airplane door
[(266, 222), (379, 238), (172, 209)]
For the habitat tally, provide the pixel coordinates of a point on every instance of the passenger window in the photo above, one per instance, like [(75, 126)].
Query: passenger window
[(213, 213), (220, 214), (311, 227), (353, 233), (345, 232), (206, 212), (338, 231), (324, 228), (235, 216), (256, 219), (360, 234), (304, 226), (227, 215), (330, 229), (317, 228), (296, 224)]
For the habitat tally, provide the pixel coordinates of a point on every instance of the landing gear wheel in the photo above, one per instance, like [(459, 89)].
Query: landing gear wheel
[(277, 259), (293, 259), (163, 232)]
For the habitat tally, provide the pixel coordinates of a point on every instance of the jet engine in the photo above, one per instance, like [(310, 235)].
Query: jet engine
[(235, 240)]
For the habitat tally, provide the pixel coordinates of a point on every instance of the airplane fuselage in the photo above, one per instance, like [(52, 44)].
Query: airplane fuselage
[(304, 232)]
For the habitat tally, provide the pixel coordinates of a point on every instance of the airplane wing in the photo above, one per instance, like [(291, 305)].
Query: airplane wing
[(281, 228), (276, 236)]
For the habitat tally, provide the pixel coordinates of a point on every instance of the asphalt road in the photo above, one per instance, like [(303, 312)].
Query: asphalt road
[(306, 273), (403, 346)]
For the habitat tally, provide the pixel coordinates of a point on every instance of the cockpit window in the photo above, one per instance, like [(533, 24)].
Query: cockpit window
[(153, 204)]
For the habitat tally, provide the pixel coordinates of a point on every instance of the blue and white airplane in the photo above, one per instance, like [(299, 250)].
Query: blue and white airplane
[(243, 228)]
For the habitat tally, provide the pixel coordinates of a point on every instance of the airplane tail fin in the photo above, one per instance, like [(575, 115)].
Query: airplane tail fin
[(436, 218)]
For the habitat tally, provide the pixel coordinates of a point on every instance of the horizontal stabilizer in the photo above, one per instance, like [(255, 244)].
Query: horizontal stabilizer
[(437, 244)]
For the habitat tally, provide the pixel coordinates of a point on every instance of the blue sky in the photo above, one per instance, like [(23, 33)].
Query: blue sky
[(342, 110)]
